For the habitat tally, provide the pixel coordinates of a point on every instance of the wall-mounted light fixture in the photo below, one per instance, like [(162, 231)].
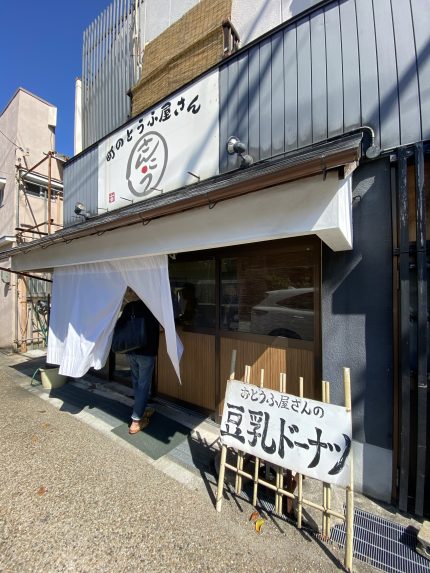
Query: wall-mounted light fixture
[(81, 210), (234, 145)]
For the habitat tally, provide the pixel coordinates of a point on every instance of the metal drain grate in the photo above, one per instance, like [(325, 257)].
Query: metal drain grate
[(377, 541), (383, 544)]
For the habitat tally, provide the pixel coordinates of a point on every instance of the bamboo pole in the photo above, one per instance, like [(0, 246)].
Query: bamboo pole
[(350, 489), (324, 514), (221, 475), (224, 448), (281, 477), (284, 492), (279, 470), (49, 192), (240, 456), (232, 365), (257, 460), (300, 477), (327, 485)]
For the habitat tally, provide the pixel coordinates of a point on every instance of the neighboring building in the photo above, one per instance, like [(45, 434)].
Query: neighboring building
[(27, 176), (125, 45), (301, 242)]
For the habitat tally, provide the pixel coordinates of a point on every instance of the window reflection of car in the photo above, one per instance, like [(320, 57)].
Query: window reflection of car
[(287, 312)]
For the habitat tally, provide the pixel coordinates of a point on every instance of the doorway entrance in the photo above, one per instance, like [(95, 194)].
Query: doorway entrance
[(262, 300)]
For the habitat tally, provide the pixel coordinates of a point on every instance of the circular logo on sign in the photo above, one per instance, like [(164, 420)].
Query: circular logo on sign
[(147, 164)]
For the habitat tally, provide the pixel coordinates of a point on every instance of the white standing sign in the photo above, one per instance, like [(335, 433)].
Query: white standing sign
[(305, 436), (174, 144)]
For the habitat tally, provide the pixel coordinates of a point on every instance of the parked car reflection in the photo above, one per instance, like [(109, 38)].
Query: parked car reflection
[(287, 312)]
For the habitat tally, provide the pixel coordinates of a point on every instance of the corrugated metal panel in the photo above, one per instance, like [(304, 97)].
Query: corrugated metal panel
[(109, 70), (290, 75), (387, 73), (80, 180), (406, 69), (319, 77), (350, 65), (278, 95), (347, 64), (421, 25), (253, 103), (304, 83)]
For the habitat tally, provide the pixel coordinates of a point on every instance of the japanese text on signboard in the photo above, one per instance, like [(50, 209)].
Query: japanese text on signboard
[(306, 436), (174, 144)]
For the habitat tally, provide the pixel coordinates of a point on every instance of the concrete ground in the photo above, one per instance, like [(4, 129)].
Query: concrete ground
[(75, 497)]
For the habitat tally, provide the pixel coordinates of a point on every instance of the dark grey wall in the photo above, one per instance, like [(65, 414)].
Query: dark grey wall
[(357, 322), (348, 64)]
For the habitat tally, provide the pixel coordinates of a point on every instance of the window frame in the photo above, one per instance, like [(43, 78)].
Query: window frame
[(301, 245)]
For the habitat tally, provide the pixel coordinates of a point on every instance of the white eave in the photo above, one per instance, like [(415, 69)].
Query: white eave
[(38, 179), (6, 241)]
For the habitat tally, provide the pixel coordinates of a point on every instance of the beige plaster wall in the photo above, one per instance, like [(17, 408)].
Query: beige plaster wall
[(34, 210), (9, 126), (29, 122), (35, 135), (7, 306)]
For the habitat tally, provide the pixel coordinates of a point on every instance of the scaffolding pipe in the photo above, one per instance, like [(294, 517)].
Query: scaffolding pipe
[(26, 275), (49, 191), (37, 165)]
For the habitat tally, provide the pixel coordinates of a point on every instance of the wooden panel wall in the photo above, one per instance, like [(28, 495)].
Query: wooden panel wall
[(197, 371), (295, 362)]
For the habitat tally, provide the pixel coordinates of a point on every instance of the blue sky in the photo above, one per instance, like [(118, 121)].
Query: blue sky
[(41, 51)]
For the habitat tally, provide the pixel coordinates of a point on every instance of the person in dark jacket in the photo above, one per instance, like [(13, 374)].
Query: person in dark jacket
[(142, 361)]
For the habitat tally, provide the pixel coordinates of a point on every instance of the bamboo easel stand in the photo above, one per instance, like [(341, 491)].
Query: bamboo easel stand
[(300, 476), (279, 490), (286, 493), (350, 488), (224, 448)]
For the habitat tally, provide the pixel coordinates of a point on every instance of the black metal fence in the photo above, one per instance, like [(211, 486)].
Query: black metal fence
[(411, 307)]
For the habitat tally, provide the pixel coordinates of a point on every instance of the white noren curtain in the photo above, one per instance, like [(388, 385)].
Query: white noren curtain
[(86, 300)]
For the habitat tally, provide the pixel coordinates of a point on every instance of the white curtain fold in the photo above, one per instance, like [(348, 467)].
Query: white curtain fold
[(86, 300)]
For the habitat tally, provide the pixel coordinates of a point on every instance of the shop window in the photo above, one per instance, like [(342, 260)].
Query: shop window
[(192, 285), (268, 295), (39, 191), (38, 288)]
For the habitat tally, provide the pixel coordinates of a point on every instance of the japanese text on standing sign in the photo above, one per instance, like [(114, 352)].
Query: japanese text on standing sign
[(306, 436)]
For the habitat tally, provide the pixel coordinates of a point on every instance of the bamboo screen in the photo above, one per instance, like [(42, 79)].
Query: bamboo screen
[(186, 49)]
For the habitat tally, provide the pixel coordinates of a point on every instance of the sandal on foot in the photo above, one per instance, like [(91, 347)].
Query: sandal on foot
[(138, 425)]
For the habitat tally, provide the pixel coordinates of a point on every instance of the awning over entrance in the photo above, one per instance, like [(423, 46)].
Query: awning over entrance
[(297, 195), (86, 300), (314, 205)]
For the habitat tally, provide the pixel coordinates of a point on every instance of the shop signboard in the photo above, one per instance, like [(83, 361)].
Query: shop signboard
[(174, 144), (306, 436)]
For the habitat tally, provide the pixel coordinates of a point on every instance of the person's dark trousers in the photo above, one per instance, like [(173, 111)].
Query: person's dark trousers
[(142, 368)]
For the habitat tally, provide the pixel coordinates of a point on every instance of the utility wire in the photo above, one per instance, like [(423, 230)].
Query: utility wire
[(13, 143)]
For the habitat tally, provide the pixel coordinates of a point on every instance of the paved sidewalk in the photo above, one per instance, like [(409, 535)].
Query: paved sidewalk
[(75, 497)]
